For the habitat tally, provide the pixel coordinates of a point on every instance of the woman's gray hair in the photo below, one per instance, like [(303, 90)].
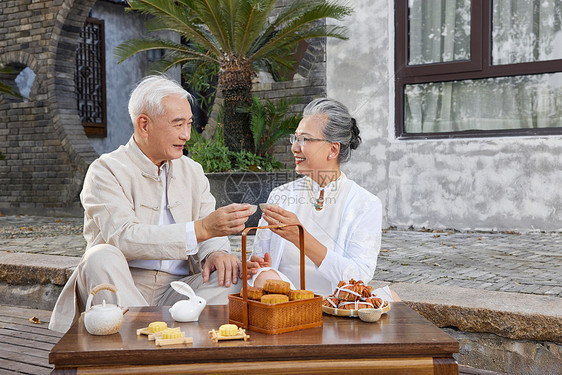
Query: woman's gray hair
[(340, 126), (147, 96)]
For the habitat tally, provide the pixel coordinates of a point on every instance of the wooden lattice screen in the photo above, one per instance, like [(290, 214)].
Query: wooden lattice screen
[(90, 78)]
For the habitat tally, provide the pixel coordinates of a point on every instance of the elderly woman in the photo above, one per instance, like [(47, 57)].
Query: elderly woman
[(342, 221)]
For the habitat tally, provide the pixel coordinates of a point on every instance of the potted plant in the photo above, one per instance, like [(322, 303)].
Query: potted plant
[(239, 37)]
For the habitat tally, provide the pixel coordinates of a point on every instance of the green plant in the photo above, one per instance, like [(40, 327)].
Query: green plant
[(9, 71), (2, 156), (214, 156), (270, 122), (248, 161), (239, 36)]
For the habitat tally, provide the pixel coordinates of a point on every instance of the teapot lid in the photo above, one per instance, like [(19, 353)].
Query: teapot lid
[(104, 307)]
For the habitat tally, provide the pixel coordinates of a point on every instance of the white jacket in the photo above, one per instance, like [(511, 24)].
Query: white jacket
[(356, 241)]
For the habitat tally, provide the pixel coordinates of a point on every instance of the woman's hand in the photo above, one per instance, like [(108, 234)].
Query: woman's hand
[(256, 262), (275, 215)]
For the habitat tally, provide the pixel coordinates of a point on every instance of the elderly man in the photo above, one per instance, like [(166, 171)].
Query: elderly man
[(149, 217)]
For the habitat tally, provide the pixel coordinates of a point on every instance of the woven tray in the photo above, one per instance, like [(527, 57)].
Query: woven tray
[(280, 317), (350, 313)]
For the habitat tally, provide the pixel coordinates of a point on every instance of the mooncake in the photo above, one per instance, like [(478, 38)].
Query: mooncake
[(276, 286), (272, 299), (254, 293), (171, 333), (157, 327), (228, 330), (300, 294)]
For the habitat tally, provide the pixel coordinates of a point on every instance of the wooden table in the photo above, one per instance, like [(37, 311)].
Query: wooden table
[(402, 342)]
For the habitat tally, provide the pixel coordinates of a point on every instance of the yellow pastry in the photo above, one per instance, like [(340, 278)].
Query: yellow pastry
[(272, 299), (228, 330), (300, 294), (276, 286), (254, 293), (157, 327), (171, 333)]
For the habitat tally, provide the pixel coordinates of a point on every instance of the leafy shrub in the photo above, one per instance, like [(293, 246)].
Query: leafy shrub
[(248, 161), (212, 157), (212, 154), (270, 123)]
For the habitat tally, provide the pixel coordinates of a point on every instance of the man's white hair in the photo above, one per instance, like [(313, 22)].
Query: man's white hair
[(148, 95)]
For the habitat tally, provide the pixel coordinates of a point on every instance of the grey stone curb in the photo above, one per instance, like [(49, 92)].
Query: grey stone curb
[(25, 268), (511, 315)]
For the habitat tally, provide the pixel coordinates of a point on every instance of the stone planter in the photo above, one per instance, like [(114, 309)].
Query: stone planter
[(246, 187)]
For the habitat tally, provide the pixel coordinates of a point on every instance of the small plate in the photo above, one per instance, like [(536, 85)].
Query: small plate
[(340, 312)]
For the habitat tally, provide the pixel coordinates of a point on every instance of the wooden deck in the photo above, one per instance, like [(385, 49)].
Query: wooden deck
[(25, 346)]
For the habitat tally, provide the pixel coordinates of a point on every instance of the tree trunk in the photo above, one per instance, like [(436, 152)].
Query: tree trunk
[(235, 80)]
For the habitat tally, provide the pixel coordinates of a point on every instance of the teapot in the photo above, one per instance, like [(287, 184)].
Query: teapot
[(187, 310), (104, 319)]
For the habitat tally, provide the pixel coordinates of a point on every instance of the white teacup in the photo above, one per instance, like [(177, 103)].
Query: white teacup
[(253, 208), (263, 206)]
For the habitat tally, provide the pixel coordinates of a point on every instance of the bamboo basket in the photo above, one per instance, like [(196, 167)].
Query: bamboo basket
[(280, 317)]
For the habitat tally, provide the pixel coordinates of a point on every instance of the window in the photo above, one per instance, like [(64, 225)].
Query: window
[(478, 68), (90, 78), (16, 81)]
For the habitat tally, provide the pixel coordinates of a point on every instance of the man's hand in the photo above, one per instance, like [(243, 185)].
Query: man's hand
[(223, 222), (256, 262), (228, 267)]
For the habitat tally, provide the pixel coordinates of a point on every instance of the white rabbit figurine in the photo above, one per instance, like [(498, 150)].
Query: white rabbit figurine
[(186, 310)]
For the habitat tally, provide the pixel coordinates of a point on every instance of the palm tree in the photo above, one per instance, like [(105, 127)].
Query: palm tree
[(239, 36)]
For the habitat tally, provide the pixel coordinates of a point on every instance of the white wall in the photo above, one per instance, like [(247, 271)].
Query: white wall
[(510, 183)]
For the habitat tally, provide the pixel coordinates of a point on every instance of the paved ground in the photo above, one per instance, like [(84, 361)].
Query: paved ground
[(510, 262)]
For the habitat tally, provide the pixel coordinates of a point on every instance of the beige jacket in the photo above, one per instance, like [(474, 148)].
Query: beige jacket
[(121, 197)]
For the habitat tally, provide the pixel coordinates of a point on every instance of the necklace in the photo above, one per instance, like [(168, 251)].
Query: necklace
[(318, 203)]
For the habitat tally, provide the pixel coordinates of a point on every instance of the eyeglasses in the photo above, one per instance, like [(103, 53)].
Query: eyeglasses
[(301, 139)]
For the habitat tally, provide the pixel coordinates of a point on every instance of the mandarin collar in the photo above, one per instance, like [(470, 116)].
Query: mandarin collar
[(147, 167), (329, 187)]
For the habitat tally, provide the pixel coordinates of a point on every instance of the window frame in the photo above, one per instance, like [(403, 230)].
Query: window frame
[(479, 67), (96, 129)]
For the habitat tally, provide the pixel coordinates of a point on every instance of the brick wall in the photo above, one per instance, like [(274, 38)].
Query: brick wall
[(46, 151)]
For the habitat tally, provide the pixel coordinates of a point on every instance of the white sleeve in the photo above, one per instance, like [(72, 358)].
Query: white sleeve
[(190, 238)]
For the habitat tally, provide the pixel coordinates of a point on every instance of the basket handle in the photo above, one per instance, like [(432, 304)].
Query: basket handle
[(245, 317)]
